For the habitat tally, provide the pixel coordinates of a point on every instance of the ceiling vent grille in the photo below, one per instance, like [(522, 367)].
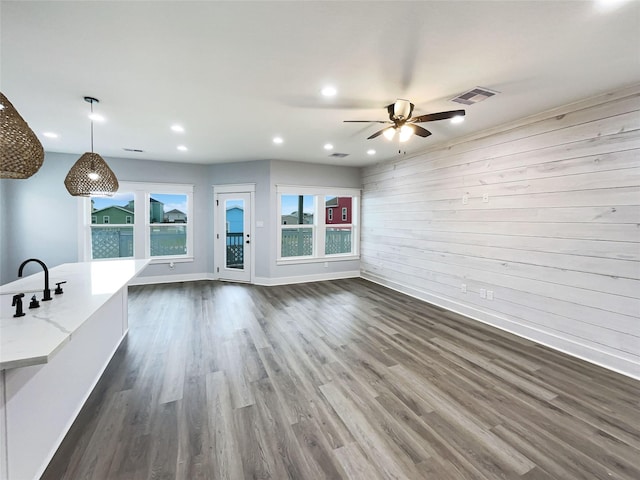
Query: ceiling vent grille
[(476, 95), (339, 155)]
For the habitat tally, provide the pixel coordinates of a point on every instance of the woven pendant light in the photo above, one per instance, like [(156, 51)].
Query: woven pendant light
[(21, 153), (91, 175)]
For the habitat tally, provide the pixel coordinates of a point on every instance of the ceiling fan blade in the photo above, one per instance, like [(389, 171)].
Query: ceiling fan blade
[(430, 117), (377, 134), (421, 132), (367, 121)]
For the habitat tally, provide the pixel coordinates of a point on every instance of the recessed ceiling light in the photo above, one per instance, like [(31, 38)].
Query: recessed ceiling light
[(328, 146), (457, 119), (329, 91), (50, 135), (371, 151), (182, 148), (278, 140), (608, 5), (177, 128), (96, 117)]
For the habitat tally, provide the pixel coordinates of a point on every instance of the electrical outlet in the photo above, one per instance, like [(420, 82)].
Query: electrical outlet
[(463, 288), (485, 198), (465, 199), (483, 293), (326, 264), (489, 294)]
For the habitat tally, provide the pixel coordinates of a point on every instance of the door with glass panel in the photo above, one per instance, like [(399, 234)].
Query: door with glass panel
[(233, 236)]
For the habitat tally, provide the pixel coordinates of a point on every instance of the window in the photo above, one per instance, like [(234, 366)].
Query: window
[(111, 239), (144, 221), (308, 231), (167, 238)]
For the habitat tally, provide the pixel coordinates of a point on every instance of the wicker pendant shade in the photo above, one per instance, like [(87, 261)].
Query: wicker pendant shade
[(91, 175), (21, 153)]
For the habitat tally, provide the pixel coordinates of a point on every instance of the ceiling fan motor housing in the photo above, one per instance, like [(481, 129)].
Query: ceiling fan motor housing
[(401, 110)]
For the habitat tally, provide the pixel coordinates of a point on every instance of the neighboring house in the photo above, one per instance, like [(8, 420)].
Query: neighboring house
[(235, 219), (175, 216), (156, 211), (338, 210), (114, 214), (292, 219)]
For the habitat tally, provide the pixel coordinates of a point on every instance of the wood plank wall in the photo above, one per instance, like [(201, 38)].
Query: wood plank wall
[(558, 242)]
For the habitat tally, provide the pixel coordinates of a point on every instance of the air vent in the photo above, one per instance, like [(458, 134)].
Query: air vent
[(339, 155), (476, 95), (136, 150)]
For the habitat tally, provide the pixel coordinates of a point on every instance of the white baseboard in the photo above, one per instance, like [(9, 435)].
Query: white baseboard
[(318, 277), (187, 277), (570, 347)]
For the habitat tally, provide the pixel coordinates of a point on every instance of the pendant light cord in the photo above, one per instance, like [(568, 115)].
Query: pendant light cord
[(91, 118)]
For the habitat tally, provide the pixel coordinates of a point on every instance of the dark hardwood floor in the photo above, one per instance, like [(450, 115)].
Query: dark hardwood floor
[(341, 379)]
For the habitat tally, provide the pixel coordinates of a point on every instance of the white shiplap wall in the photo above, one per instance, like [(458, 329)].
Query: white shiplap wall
[(558, 241)]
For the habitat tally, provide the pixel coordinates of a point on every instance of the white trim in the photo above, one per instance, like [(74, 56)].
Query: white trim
[(318, 277), (307, 190), (234, 188), (319, 225), (218, 260), (579, 350), (336, 257)]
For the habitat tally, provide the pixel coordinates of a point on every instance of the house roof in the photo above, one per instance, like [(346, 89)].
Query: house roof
[(175, 210), (113, 207), (252, 70)]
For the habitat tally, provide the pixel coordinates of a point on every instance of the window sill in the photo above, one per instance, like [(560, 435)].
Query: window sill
[(302, 260), (167, 260)]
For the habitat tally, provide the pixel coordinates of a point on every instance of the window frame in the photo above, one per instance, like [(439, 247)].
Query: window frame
[(320, 224), (141, 223)]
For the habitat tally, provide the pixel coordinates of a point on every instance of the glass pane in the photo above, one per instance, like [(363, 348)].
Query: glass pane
[(168, 240), (112, 210), (337, 240), (297, 209), (297, 242), (234, 219), (337, 210), (111, 242), (167, 208)]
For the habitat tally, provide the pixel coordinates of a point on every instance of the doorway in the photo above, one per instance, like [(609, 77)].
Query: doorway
[(233, 235)]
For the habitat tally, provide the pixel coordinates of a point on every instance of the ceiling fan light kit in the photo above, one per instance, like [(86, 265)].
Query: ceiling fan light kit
[(91, 175), (400, 117), (21, 153)]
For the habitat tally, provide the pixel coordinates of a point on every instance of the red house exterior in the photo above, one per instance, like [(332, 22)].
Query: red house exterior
[(338, 210)]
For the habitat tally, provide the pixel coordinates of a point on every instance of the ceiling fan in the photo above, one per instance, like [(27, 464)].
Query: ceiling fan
[(401, 120)]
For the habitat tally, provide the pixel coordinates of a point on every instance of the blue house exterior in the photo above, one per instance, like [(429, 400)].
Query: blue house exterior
[(235, 219)]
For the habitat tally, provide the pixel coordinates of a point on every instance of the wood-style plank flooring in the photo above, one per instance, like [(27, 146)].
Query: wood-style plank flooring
[(341, 379)]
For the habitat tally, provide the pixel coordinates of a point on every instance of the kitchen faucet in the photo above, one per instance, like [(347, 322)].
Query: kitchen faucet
[(47, 291)]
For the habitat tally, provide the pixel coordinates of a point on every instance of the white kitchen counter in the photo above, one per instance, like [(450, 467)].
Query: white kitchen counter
[(36, 337), (52, 358)]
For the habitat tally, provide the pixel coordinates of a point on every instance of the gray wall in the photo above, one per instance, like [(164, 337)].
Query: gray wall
[(39, 218), (257, 172), (312, 175)]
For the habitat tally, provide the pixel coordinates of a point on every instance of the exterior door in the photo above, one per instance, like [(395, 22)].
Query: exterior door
[(234, 241)]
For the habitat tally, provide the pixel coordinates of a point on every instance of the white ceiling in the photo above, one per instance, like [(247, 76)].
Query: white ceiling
[(236, 74)]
